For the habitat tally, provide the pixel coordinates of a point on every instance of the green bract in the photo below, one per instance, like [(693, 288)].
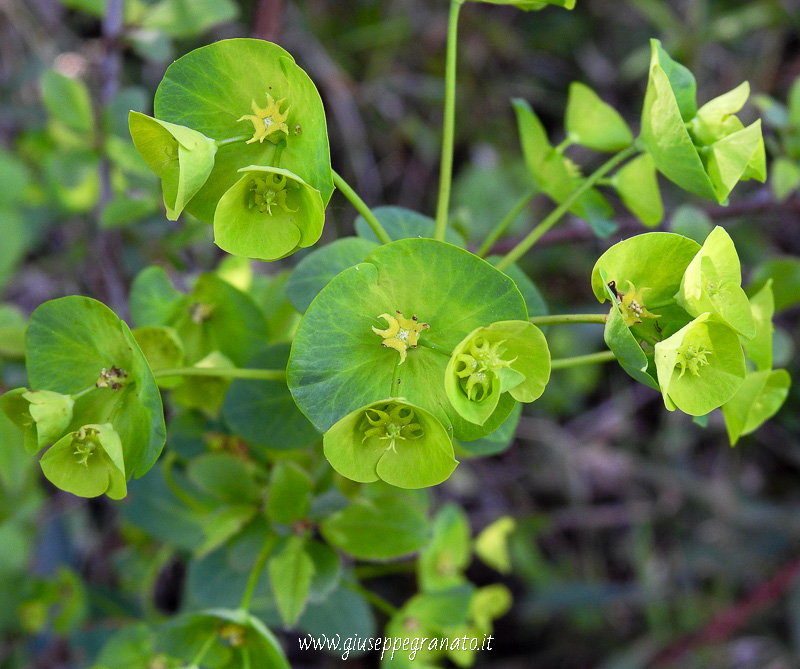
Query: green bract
[(556, 175), (241, 92), (707, 151), (507, 356), (594, 124), (759, 348), (644, 273), (700, 367), (637, 186), (386, 327), (78, 345), (43, 415), (712, 283), (87, 462), (391, 440), (268, 214), (181, 157), (758, 399)]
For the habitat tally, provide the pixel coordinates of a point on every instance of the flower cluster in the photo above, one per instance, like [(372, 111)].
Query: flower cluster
[(696, 349)]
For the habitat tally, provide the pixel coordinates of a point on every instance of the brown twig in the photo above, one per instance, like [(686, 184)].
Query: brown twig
[(268, 19), (728, 622)]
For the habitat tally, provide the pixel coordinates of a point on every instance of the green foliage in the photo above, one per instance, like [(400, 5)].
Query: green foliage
[(309, 404)]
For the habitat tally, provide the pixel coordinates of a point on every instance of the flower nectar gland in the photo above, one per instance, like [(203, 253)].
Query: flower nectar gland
[(402, 333)]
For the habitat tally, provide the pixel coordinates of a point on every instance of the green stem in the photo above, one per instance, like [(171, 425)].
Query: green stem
[(232, 140), (590, 359), (203, 650), (276, 157), (565, 143), (449, 125), (554, 216), (562, 319), (376, 600), (255, 573), (501, 227), (83, 392), (434, 348), (361, 208), (223, 372)]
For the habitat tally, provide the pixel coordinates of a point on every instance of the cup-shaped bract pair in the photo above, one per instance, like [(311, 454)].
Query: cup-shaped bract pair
[(43, 415), (506, 356), (391, 440), (260, 109), (181, 157), (87, 462), (268, 214), (706, 151), (701, 366), (386, 327), (77, 346), (713, 283)]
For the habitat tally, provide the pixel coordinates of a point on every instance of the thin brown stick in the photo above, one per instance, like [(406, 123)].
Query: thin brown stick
[(725, 624)]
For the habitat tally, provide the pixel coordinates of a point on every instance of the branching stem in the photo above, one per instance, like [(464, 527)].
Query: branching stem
[(554, 216)]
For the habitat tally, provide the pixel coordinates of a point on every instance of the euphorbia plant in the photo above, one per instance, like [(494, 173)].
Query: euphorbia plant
[(409, 349)]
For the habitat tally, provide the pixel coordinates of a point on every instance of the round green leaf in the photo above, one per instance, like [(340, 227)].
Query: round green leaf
[(384, 524), (213, 89), (315, 271), (593, 123), (268, 214), (87, 462), (181, 157), (338, 362), (391, 440), (76, 343), (759, 348), (496, 442), (759, 398), (700, 367)]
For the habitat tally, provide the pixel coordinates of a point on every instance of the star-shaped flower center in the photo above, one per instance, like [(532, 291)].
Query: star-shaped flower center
[(632, 304), (266, 122), (402, 333)]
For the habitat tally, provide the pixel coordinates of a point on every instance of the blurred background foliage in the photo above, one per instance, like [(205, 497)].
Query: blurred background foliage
[(641, 539)]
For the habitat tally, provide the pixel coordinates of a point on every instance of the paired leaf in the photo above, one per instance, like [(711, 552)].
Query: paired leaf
[(338, 364), (637, 186), (391, 440), (700, 367), (42, 415), (712, 283), (215, 89), (87, 462), (507, 356), (76, 344), (268, 214)]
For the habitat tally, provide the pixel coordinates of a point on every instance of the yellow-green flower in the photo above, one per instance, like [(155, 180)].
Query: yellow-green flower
[(267, 121)]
